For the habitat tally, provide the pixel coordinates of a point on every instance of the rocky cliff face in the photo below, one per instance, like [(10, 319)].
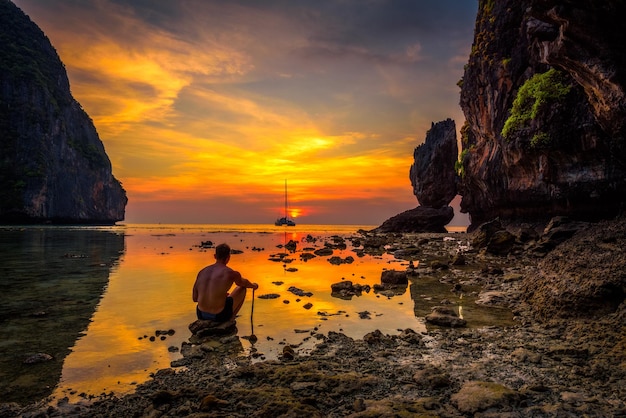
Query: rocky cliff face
[(433, 177), (53, 166), (545, 105), (432, 173)]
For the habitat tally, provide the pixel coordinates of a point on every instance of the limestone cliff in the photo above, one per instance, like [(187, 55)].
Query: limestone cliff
[(53, 166), (433, 177), (544, 99), (432, 172)]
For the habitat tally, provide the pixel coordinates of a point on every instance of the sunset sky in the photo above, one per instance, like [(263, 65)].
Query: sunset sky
[(206, 107)]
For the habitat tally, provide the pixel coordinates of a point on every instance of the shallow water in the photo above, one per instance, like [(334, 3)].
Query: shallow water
[(93, 297)]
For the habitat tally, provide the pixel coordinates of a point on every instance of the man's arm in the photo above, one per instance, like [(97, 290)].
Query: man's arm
[(194, 293), (240, 281)]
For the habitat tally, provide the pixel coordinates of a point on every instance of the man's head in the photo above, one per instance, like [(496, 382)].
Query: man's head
[(222, 252)]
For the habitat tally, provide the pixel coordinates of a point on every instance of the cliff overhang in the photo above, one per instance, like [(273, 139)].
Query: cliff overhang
[(544, 100)]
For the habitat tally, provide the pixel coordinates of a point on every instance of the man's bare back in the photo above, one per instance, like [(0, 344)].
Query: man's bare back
[(211, 288)]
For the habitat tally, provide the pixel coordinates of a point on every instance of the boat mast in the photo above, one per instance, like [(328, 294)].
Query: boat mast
[(285, 198)]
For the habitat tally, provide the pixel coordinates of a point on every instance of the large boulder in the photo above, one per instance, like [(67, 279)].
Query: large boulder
[(432, 174), (419, 219), (582, 276), (493, 237)]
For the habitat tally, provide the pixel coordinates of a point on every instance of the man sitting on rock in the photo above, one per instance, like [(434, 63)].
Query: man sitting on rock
[(211, 288)]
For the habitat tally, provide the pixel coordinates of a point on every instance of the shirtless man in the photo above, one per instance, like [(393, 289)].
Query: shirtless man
[(212, 286)]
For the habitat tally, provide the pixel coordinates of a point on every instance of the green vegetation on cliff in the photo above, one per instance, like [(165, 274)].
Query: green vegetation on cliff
[(535, 94), (459, 168)]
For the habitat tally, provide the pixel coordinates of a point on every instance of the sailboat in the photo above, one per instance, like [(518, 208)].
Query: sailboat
[(285, 221)]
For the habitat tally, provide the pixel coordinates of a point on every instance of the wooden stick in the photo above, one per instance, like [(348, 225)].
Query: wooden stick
[(252, 314)]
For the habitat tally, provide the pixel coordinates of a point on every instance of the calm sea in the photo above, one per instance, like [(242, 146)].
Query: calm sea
[(92, 298)]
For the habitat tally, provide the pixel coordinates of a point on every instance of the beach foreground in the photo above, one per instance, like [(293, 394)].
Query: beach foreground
[(565, 355)]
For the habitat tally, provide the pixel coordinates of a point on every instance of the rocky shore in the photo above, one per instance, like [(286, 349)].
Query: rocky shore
[(564, 356)]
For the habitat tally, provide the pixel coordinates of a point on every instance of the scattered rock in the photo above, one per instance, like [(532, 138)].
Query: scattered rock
[(307, 256), (338, 260), (322, 252), (375, 241), (374, 337), (501, 242), (482, 235), (342, 285), (432, 377), (394, 277), (358, 405), (439, 265), (558, 230), (288, 352), (365, 315), (493, 237), (211, 402), (299, 292), (38, 358), (446, 317), (492, 297), (163, 397), (523, 355), (206, 244), (476, 396), (269, 296), (346, 289), (203, 327), (458, 259)]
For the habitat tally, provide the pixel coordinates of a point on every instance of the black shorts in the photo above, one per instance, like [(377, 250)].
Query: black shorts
[(225, 315)]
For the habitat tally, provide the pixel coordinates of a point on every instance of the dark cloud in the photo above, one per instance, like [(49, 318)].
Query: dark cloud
[(155, 12), (376, 24), (371, 30), (331, 51)]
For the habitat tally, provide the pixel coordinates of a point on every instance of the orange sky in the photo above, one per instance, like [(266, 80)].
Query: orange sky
[(206, 107)]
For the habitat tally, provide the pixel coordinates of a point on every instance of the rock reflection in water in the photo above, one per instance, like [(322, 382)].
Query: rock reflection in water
[(51, 280)]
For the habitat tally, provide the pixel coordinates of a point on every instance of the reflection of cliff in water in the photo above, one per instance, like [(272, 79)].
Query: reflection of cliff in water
[(51, 280)]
